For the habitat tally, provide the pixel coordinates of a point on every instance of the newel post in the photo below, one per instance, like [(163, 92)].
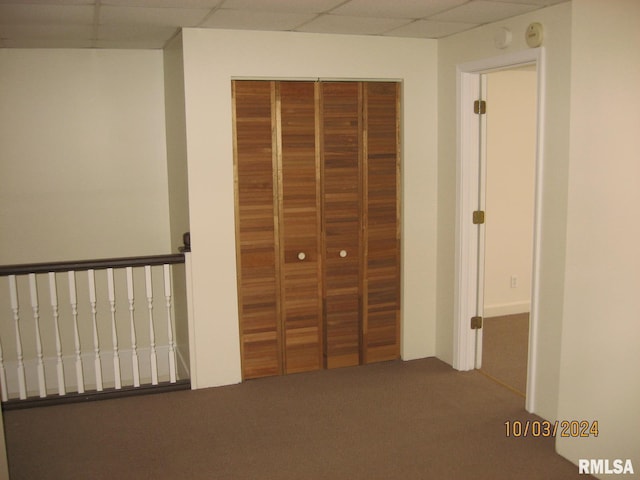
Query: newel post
[(193, 365)]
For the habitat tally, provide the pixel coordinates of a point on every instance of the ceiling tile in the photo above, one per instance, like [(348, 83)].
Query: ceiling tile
[(150, 23), (163, 3), (46, 14), (133, 36), (482, 11), (141, 44), (430, 29), (171, 17), (539, 3), (252, 20), (46, 32), (134, 32), (48, 2), (289, 6), (352, 25), (396, 9), (49, 43)]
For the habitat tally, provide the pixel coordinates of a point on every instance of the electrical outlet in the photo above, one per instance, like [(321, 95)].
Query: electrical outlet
[(514, 281)]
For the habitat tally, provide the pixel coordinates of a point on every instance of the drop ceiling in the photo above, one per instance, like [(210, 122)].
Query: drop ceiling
[(148, 24)]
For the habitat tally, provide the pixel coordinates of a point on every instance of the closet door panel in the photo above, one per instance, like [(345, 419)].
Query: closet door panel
[(300, 227), (255, 229), (317, 171), (341, 153), (381, 327)]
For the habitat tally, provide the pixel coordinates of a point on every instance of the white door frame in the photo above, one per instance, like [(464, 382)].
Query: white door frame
[(468, 270)]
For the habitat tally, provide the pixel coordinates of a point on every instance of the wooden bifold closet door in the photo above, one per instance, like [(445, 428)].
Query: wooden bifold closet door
[(317, 224)]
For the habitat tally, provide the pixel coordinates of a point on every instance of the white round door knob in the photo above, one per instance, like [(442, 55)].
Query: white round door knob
[(301, 256), (343, 253)]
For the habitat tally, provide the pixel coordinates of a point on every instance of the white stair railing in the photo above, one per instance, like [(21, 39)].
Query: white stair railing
[(114, 331), (97, 363), (172, 344), (73, 300), (15, 308), (53, 293), (54, 362), (33, 288), (153, 358), (134, 346)]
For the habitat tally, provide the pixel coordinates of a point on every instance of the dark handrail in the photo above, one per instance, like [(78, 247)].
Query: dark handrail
[(99, 264)]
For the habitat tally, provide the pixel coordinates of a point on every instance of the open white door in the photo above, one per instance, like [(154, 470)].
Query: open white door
[(471, 176), (470, 233)]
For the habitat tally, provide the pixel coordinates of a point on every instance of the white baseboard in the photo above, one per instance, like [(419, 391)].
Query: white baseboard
[(183, 365), (500, 310)]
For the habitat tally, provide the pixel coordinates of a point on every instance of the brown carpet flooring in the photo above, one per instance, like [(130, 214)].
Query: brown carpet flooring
[(395, 420), (505, 343)]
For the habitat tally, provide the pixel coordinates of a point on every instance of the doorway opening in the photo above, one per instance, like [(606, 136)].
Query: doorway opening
[(509, 193), (476, 298)]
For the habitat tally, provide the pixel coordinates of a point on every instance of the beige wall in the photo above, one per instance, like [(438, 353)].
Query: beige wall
[(478, 44), (82, 155), (83, 174), (599, 377), (178, 185), (511, 157), (176, 129), (211, 59)]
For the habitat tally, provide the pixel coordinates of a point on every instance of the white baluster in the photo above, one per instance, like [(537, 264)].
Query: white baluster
[(114, 332), (96, 343), (172, 345), (13, 294), (73, 300), (3, 378), (134, 346), (53, 293), (42, 388), (152, 336)]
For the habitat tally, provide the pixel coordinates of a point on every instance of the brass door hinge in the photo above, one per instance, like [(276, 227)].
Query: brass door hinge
[(478, 217), (476, 323), (480, 107)]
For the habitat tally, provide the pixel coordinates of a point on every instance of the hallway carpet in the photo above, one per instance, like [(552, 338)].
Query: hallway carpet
[(505, 345), (399, 420)]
